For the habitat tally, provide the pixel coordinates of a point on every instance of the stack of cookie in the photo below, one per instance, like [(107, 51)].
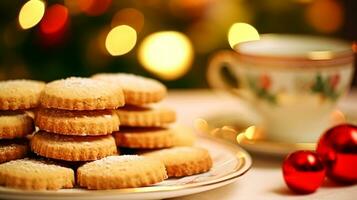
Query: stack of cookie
[(16, 98), (79, 121), (76, 120)]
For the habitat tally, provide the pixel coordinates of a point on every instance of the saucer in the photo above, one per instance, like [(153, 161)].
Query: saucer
[(253, 143), (268, 147), (235, 128)]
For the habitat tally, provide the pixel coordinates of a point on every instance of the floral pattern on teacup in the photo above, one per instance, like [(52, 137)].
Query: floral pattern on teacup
[(261, 87), (327, 86)]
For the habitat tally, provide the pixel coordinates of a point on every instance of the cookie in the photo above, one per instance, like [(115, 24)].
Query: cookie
[(146, 138), (115, 172), (31, 174), (15, 124), (12, 150), (82, 94), (72, 148), (138, 90), (183, 161), (20, 94), (136, 116), (99, 122)]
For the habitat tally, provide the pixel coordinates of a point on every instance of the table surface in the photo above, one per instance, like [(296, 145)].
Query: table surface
[(264, 180)]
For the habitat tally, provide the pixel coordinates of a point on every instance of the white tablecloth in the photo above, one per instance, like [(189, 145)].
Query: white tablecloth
[(264, 180)]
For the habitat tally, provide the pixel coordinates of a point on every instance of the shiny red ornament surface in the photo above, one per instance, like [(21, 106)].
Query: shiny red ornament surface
[(303, 171), (338, 150)]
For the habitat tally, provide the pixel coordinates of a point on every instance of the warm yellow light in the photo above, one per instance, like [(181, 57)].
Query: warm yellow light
[(120, 40), (240, 138), (167, 54), (241, 32), (250, 132), (31, 13), (247, 134)]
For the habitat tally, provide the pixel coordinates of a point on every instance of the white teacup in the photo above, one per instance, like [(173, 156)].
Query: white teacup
[(293, 81)]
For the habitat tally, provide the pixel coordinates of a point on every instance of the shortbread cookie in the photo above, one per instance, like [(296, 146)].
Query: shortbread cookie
[(138, 90), (183, 161), (15, 124), (82, 94), (136, 116), (99, 122), (115, 172), (32, 174), (20, 94), (73, 148), (12, 149), (146, 138)]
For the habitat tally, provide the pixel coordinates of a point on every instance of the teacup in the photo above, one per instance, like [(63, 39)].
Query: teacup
[(293, 81)]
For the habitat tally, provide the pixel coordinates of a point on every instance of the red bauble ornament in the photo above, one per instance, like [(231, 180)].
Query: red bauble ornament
[(303, 171), (338, 150)]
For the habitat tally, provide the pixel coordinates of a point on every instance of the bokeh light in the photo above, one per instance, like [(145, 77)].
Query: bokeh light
[(167, 54), (250, 132), (93, 7), (241, 32), (31, 13), (326, 16), (55, 19), (129, 16), (120, 40)]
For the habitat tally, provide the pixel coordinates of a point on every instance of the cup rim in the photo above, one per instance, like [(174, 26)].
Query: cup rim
[(329, 57)]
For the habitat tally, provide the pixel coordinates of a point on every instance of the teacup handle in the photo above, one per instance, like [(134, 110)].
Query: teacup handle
[(216, 80)]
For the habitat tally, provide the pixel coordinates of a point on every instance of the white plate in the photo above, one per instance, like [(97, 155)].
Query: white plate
[(229, 163)]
